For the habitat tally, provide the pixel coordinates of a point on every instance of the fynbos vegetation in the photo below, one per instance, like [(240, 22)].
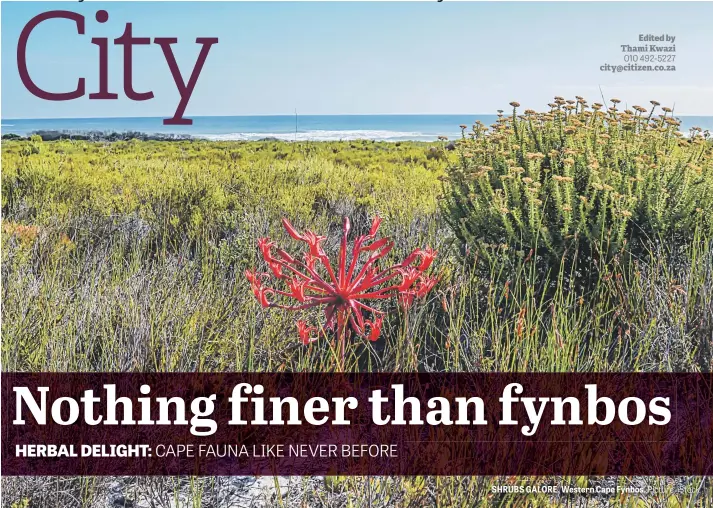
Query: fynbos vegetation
[(580, 176), (577, 239)]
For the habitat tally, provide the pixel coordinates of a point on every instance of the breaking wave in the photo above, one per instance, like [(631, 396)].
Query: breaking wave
[(322, 135)]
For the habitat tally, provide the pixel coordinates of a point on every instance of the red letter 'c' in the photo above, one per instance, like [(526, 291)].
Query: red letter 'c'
[(22, 56)]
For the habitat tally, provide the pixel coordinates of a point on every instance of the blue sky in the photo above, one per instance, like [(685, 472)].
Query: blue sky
[(361, 58)]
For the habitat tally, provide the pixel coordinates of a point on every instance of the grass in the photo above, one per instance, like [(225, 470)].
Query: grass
[(129, 256)]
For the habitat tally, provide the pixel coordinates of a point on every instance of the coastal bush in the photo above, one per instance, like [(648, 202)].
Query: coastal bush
[(580, 179)]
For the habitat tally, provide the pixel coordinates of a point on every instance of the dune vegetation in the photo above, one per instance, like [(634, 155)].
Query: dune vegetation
[(575, 239)]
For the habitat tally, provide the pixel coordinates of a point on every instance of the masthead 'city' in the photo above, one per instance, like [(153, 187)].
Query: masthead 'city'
[(128, 41)]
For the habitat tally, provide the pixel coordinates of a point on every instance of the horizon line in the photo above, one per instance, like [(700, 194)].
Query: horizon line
[(272, 115), (292, 115)]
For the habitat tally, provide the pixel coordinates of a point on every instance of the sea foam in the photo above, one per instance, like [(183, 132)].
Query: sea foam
[(321, 135)]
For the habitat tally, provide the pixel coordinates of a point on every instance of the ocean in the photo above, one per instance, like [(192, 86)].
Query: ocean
[(288, 127)]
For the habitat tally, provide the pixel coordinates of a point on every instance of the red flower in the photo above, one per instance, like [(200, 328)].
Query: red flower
[(427, 257), (408, 277), (375, 328), (348, 289), (425, 285), (310, 260), (314, 241), (276, 269), (298, 289), (250, 275), (259, 290), (306, 332), (265, 246)]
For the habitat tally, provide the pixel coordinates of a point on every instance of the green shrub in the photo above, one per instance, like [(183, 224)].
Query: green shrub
[(202, 190), (579, 178)]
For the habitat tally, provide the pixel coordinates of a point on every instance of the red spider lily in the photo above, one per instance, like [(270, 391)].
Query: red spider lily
[(348, 289), (305, 332), (374, 328)]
